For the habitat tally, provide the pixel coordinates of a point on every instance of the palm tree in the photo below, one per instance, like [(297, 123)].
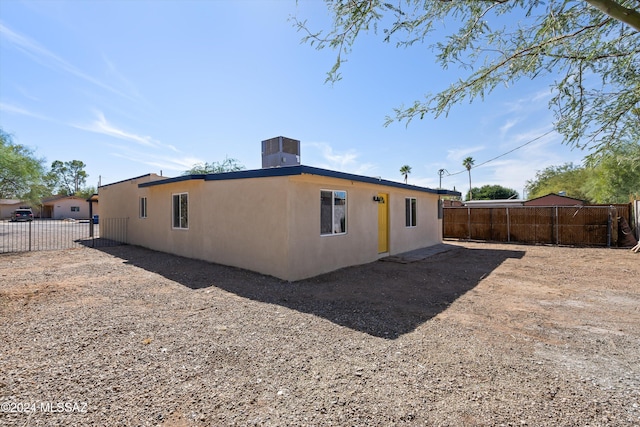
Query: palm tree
[(468, 163), (405, 171)]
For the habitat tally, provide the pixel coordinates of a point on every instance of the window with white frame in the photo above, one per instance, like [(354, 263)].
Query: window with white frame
[(181, 210), (143, 207), (75, 208), (410, 210), (333, 212)]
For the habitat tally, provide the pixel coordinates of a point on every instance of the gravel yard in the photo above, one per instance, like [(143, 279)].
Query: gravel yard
[(479, 335)]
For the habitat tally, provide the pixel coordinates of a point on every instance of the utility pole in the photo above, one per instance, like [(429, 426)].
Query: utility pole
[(442, 172)]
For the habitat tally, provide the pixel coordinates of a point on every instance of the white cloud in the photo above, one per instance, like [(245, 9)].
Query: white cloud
[(47, 58), (542, 95), (27, 94), (146, 150), (423, 182), (526, 104), (508, 125), (328, 158), (510, 173), (113, 71), (458, 154), (102, 126), (8, 108), (537, 139), (164, 162)]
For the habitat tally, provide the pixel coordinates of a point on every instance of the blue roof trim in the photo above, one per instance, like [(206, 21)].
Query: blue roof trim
[(125, 180), (300, 170), (170, 180)]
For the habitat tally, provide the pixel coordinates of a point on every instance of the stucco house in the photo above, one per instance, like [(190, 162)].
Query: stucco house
[(8, 206), (289, 222), (53, 207), (63, 207)]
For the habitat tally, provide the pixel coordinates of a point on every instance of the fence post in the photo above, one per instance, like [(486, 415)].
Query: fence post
[(92, 233), (609, 227), (508, 226), (469, 221), (557, 221), (30, 235), (636, 214)]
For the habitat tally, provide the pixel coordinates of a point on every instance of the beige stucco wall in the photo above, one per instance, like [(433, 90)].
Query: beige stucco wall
[(119, 206), (271, 224), (240, 223), (360, 244), (6, 209), (62, 208)]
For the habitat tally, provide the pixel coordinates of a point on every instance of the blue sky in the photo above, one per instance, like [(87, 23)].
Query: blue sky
[(132, 87)]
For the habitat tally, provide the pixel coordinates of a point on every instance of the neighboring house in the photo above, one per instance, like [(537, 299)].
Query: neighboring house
[(63, 207), (554, 200), (54, 207), (291, 222), (7, 206)]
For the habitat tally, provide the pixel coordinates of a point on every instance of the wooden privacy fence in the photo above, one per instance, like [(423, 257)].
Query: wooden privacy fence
[(558, 225)]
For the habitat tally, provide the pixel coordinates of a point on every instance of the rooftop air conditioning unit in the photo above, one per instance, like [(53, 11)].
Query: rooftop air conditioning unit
[(280, 151)]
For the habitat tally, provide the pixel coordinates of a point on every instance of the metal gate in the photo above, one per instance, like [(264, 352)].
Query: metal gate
[(49, 234)]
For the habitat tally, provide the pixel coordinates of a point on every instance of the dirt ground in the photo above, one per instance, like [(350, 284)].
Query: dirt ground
[(478, 335)]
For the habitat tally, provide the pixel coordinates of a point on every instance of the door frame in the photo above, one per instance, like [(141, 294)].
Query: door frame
[(383, 223)]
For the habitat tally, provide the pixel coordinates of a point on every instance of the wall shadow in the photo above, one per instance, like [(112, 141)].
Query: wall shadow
[(383, 299)]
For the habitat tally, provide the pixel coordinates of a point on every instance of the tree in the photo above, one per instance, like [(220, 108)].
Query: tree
[(610, 177), (592, 46), (468, 164), (614, 176), (567, 178), (227, 165), (87, 192), (20, 171), (492, 192), (66, 177), (405, 171)]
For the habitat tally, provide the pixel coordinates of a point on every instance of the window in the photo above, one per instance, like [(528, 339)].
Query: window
[(181, 210), (410, 208), (75, 208), (333, 212), (143, 207)]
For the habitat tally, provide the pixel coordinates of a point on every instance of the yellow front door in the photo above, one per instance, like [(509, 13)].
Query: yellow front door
[(383, 223)]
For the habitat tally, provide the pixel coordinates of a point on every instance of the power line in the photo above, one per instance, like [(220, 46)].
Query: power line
[(504, 154)]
